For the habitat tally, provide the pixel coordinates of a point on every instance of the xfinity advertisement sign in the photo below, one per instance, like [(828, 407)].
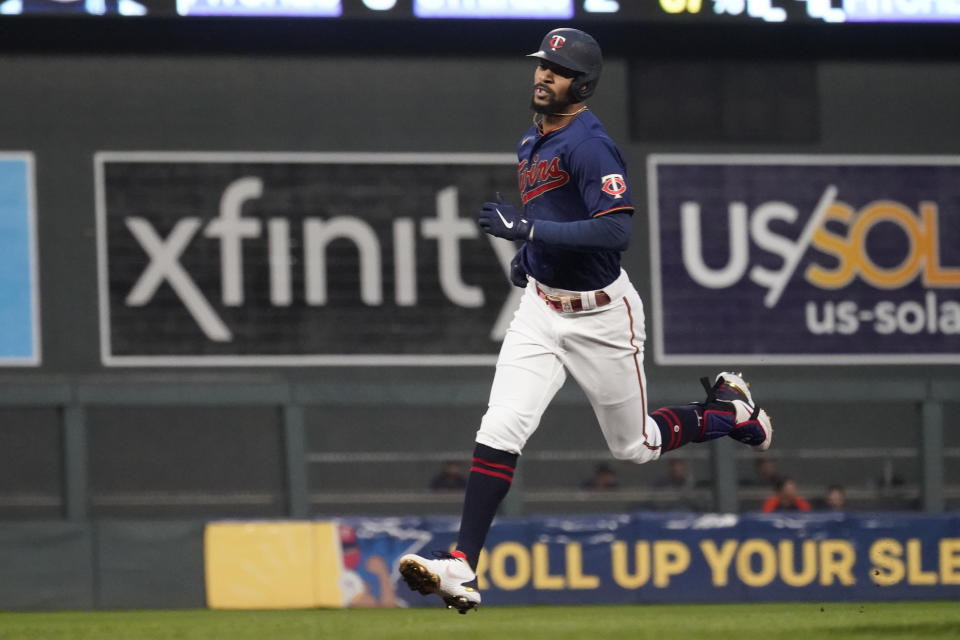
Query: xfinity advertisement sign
[(805, 259), (300, 259)]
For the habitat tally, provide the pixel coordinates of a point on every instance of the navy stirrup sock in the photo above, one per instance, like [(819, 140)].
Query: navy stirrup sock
[(678, 425), (490, 477)]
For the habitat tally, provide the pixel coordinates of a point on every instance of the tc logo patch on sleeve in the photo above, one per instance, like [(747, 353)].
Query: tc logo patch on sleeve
[(614, 184)]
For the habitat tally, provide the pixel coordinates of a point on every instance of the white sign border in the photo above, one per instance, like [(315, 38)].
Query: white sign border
[(36, 359), (653, 213), (109, 359)]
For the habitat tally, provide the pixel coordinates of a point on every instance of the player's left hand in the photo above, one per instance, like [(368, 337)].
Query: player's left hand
[(503, 220)]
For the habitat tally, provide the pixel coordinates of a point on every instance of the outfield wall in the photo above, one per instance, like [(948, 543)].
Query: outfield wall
[(624, 558), (107, 565)]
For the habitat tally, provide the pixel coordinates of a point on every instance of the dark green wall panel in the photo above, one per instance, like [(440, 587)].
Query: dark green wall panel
[(144, 565), (46, 566)]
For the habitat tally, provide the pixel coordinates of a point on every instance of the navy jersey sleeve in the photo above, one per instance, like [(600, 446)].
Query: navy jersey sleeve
[(601, 176)]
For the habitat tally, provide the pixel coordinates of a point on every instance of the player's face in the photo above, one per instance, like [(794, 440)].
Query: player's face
[(551, 88)]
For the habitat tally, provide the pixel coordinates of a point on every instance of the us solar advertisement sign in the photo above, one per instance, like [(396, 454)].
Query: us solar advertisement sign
[(220, 259), (805, 259), (19, 298)]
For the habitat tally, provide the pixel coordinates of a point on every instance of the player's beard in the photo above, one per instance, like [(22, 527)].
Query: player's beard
[(553, 105)]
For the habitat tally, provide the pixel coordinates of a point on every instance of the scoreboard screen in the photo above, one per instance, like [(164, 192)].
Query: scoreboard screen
[(625, 12), (797, 11)]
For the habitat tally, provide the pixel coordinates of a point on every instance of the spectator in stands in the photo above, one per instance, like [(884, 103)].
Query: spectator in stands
[(678, 476), (786, 498), (603, 478), (450, 478), (679, 479), (765, 474), (835, 499)]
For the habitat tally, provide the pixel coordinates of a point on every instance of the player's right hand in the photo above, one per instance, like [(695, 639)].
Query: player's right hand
[(503, 220)]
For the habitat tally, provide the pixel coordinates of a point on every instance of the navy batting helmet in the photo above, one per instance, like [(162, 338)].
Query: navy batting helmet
[(577, 51)]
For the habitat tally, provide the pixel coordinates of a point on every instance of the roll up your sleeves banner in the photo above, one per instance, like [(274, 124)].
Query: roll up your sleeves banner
[(638, 558), (805, 259)]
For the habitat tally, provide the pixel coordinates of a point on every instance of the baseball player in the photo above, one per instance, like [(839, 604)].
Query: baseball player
[(579, 314)]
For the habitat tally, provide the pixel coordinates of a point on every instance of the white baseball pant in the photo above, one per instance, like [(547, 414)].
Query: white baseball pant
[(601, 348)]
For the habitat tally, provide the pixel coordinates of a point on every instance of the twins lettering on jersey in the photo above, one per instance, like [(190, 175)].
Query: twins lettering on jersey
[(537, 176)]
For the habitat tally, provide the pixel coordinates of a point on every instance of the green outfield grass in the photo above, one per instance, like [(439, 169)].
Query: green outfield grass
[(836, 621)]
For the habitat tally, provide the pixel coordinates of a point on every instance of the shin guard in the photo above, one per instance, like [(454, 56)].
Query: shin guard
[(719, 417)]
